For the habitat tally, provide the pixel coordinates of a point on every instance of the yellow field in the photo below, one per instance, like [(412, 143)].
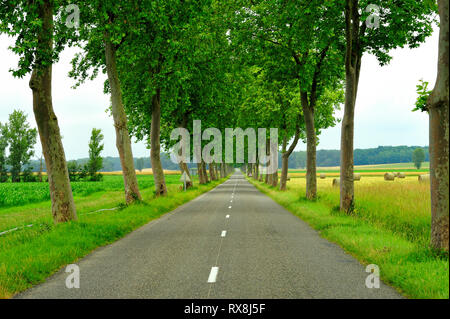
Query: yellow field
[(402, 205), (336, 174)]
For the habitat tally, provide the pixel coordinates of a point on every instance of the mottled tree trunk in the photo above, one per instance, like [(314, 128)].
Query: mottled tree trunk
[(352, 69), (311, 177), (155, 147), (63, 207), (201, 178), (221, 170), (211, 172), (438, 109), (123, 141), (205, 172)]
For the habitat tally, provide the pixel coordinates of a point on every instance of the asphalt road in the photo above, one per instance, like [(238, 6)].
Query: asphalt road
[(232, 242)]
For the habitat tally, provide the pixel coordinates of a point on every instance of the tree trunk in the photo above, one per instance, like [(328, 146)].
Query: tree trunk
[(438, 109), (155, 150), (201, 178), (123, 141), (352, 70), (63, 207), (205, 172), (311, 178), (211, 172)]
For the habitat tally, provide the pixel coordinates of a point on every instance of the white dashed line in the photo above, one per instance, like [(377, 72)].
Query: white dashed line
[(213, 274), (229, 206), (228, 216), (224, 233)]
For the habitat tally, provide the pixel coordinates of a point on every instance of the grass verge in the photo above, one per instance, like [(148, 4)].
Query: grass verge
[(30, 255), (405, 262)]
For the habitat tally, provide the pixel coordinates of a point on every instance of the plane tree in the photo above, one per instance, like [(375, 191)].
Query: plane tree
[(304, 39), (157, 54), (374, 27), (41, 33), (102, 33)]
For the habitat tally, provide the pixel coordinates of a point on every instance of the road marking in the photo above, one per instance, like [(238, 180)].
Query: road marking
[(224, 233), (228, 216), (229, 206), (213, 274), (231, 201)]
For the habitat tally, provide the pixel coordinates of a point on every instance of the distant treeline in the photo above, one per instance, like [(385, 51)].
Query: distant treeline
[(371, 156)]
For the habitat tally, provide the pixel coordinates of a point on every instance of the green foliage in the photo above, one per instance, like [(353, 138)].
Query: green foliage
[(418, 157), (95, 162), (21, 140), (423, 93), (74, 170)]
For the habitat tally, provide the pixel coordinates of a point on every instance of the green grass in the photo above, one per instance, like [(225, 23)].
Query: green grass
[(15, 194), (390, 228), (30, 255)]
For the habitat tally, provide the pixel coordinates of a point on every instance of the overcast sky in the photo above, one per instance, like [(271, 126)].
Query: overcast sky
[(383, 109)]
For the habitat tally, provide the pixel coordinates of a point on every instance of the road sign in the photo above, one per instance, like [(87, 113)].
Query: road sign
[(185, 178)]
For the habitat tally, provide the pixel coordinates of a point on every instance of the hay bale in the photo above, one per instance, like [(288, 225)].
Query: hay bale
[(389, 177), (288, 178), (356, 177), (336, 182), (395, 174), (323, 176), (401, 175), (424, 178)]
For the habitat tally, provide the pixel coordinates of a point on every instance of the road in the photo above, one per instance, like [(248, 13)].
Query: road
[(232, 242)]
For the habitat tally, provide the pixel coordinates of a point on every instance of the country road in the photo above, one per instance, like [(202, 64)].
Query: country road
[(232, 242)]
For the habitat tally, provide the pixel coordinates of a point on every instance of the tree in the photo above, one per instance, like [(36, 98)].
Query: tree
[(21, 140), (41, 34), (418, 157), (74, 171), (140, 164), (374, 27), (107, 24), (95, 162), (3, 146), (436, 103), (301, 40)]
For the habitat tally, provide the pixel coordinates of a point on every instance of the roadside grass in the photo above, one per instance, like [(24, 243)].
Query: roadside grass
[(390, 228), (30, 255)]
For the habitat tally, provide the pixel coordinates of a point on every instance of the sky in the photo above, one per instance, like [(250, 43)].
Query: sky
[(383, 113)]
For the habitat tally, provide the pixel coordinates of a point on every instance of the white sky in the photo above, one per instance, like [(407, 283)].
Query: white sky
[(383, 111)]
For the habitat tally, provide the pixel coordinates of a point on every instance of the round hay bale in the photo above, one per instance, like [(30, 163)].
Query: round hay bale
[(323, 176), (356, 177), (395, 174), (336, 182), (424, 178), (401, 175), (389, 177)]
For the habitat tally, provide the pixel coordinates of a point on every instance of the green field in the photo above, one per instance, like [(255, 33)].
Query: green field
[(31, 254), (390, 227)]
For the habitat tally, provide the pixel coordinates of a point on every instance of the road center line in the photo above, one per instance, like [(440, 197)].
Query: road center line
[(213, 274), (229, 206), (228, 216), (224, 233)]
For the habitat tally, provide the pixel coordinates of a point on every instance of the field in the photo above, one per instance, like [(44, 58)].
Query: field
[(390, 227), (367, 170), (39, 248)]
